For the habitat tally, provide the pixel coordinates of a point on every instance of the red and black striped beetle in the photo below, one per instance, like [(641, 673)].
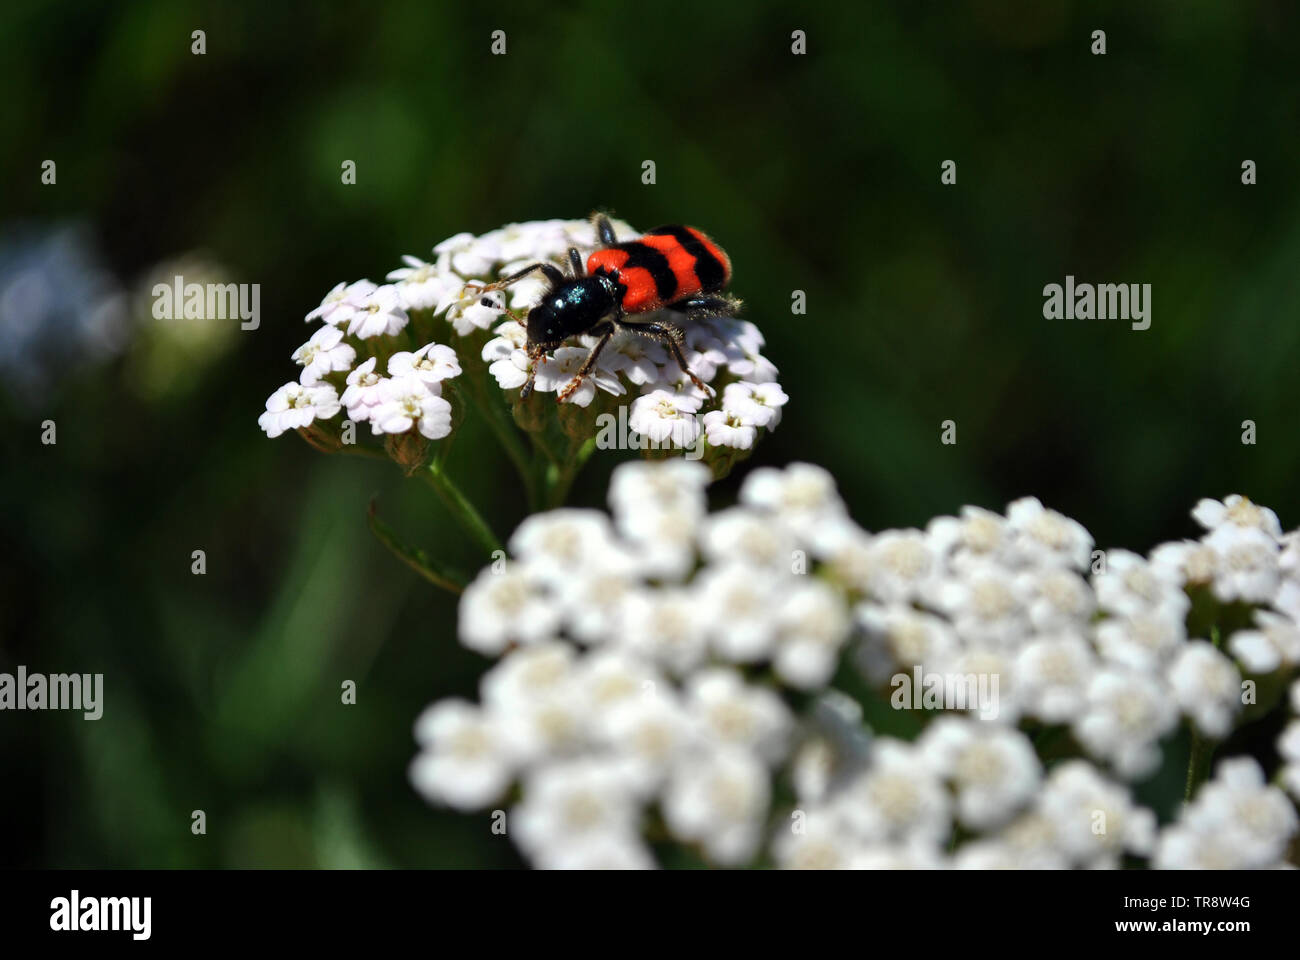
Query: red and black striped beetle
[(670, 267)]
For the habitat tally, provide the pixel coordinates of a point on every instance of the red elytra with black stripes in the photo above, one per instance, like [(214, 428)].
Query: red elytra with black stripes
[(665, 265)]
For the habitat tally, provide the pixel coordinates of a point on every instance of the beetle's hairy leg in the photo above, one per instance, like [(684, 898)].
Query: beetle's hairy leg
[(671, 336), (704, 307), (585, 369)]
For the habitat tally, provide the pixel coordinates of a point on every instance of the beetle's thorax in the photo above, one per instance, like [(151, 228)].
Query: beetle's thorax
[(571, 308)]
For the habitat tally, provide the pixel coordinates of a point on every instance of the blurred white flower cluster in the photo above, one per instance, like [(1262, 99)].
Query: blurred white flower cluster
[(675, 679), (381, 356)]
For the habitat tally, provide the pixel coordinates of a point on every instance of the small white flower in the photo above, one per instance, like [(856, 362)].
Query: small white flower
[(379, 314), (594, 600), (719, 800), (1275, 644), (1235, 821), (421, 285), (977, 535), (1043, 536), (845, 550), (505, 355), (992, 660), (1055, 598), (365, 391), (648, 732), (1248, 564), (1029, 842), (610, 678), (1238, 511), (1207, 687), (410, 404), (916, 854), (1095, 819), (498, 609), (704, 351), (1183, 846), (664, 626), (1186, 562), (600, 852), (469, 308), (1288, 747), (734, 714), (557, 371), (1126, 716), (824, 842), (536, 673), (638, 489), (1145, 641), (563, 543), (573, 805), (468, 255), (898, 798), (296, 405), (1287, 600), (984, 606), (635, 357), (755, 403), (902, 637), (463, 763), (812, 769), (1131, 585), (1053, 674), (431, 364), (741, 343), (993, 769), (657, 507), (737, 603), (993, 854), (541, 714), (324, 353), (802, 496), (535, 240), (813, 625), (341, 304), (903, 568), (740, 535), (661, 416), (725, 429)]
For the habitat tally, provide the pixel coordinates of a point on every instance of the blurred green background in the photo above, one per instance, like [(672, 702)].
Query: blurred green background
[(818, 173)]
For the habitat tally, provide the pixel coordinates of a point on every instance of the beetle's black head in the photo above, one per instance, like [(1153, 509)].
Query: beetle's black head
[(568, 309)]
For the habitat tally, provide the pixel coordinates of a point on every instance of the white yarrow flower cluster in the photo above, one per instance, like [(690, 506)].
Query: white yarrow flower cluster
[(1235, 822), (1094, 641), (371, 334), (663, 669), (633, 677)]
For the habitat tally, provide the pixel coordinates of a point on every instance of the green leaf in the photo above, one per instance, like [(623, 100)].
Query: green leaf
[(413, 557)]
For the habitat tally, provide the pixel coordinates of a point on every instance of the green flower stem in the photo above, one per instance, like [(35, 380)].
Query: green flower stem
[(559, 480), (1198, 764), (461, 508), (498, 419)]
